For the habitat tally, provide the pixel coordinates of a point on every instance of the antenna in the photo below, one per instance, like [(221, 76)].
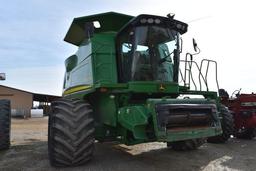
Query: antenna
[(198, 19), (171, 15)]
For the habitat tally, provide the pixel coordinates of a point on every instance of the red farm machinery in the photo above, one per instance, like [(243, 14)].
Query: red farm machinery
[(243, 108)]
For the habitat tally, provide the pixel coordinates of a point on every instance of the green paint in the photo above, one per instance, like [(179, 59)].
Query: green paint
[(163, 135), (153, 87), (106, 107), (104, 63), (109, 21), (134, 119), (125, 111)]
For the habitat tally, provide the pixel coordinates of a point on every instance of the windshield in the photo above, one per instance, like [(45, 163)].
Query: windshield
[(147, 53)]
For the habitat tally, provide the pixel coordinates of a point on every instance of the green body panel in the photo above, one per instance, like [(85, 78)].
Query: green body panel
[(163, 135), (191, 134), (123, 112), (106, 106), (153, 87), (104, 62), (76, 34), (117, 121), (79, 67), (134, 119), (93, 63)]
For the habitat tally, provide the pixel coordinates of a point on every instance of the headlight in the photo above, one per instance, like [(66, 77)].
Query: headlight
[(150, 20), (157, 21), (143, 20)]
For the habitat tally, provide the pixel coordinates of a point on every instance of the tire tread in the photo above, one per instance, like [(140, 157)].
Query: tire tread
[(71, 133), (227, 125), (5, 124), (186, 145)]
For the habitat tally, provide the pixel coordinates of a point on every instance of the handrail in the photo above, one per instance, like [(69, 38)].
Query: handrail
[(207, 69), (202, 77)]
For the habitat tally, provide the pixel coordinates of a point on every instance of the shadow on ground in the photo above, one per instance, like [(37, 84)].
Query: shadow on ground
[(235, 155)]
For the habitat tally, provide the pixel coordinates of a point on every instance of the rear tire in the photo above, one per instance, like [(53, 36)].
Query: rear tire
[(186, 145), (227, 125), (5, 123), (248, 133), (70, 133)]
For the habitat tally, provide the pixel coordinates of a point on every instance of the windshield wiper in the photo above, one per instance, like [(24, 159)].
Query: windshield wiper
[(165, 59)]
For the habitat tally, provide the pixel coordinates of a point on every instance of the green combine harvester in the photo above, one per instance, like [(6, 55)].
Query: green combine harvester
[(123, 85)]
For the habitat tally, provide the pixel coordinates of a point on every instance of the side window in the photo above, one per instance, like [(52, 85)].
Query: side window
[(141, 55), (167, 49), (171, 46), (126, 51), (126, 47), (79, 67), (142, 48)]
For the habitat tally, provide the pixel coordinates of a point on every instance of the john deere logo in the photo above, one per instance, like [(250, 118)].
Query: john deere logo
[(161, 87)]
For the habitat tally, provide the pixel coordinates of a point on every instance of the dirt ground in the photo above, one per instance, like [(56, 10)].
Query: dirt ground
[(29, 152)]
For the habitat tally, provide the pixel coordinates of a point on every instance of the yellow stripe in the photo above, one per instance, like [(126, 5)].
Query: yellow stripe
[(76, 89)]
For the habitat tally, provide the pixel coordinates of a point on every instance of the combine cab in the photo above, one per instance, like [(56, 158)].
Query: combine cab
[(123, 85), (243, 107)]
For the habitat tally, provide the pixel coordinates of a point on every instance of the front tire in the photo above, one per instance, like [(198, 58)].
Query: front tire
[(186, 145), (5, 124), (70, 133), (227, 125)]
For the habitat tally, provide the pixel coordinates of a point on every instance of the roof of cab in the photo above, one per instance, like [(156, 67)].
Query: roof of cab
[(109, 21)]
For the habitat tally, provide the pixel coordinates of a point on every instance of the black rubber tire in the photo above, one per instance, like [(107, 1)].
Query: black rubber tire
[(227, 125), (248, 134), (5, 124), (70, 133), (186, 145)]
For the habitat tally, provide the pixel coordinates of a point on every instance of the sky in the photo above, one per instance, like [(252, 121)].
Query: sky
[(32, 50)]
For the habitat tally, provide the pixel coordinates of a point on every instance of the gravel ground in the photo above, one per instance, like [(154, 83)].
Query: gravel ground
[(29, 152)]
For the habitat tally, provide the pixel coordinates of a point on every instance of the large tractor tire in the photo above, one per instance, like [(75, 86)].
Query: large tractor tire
[(248, 133), (70, 133), (186, 145), (227, 125), (5, 123)]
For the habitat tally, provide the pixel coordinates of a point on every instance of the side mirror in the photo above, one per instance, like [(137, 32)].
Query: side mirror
[(195, 45), (2, 76), (181, 44)]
